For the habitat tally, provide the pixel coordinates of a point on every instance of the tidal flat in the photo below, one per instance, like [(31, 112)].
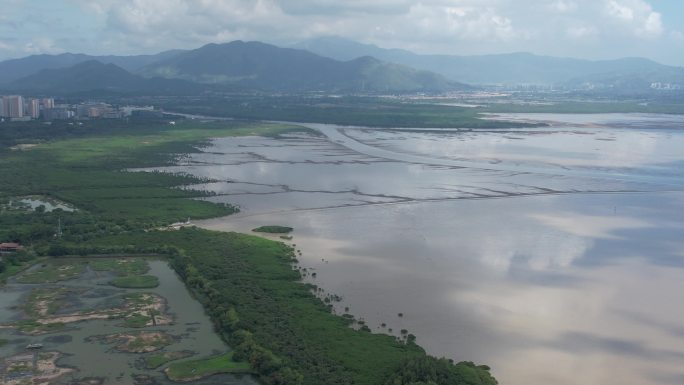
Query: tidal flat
[(93, 332), (553, 253)]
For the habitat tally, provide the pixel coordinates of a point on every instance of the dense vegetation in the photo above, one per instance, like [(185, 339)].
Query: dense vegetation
[(275, 323), (136, 282), (188, 370), (154, 361), (273, 229), (360, 111), (664, 106)]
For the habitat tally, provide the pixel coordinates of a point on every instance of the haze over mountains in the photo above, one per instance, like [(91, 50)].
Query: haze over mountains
[(94, 76), (235, 66), (264, 66), (509, 69), (329, 64)]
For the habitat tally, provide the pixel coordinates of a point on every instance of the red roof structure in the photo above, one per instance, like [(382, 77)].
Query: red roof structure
[(10, 247)]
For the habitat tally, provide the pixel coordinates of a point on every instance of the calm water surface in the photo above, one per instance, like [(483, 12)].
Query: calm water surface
[(191, 326), (553, 254)]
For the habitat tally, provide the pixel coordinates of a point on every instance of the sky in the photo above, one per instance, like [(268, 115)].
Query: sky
[(591, 29)]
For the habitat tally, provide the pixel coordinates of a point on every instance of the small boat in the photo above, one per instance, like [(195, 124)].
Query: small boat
[(34, 346)]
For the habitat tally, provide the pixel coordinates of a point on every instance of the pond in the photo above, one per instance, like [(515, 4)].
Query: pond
[(80, 343)]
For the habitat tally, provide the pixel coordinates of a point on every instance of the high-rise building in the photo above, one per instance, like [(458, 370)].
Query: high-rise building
[(33, 108), (15, 106), (4, 107), (56, 113), (48, 103)]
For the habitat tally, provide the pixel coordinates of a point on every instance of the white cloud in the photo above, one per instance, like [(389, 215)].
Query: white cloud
[(42, 45), (653, 26), (581, 32), (563, 6), (590, 226), (554, 27), (620, 11), (637, 16)]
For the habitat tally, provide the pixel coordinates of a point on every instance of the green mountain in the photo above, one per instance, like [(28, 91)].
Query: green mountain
[(510, 69), (95, 77), (262, 66), (11, 70)]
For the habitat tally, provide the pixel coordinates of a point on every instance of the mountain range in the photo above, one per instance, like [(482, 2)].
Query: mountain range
[(92, 76), (14, 69), (329, 64), (510, 69), (231, 66)]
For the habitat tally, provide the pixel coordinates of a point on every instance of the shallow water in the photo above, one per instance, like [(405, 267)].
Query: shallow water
[(49, 204), (552, 254), (94, 359)]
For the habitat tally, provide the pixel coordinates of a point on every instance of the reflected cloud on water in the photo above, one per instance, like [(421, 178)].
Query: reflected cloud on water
[(550, 278)]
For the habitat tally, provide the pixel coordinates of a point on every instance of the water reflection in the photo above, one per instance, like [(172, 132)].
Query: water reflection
[(549, 277)]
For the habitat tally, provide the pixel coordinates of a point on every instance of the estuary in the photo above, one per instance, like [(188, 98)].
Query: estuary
[(554, 253)]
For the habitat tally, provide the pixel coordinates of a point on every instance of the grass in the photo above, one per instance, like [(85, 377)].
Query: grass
[(357, 111), (154, 361), (22, 368), (46, 301), (137, 342), (196, 369), (53, 272), (3, 342), (136, 321), (12, 270), (273, 229), (121, 266), (138, 299), (34, 327), (136, 282)]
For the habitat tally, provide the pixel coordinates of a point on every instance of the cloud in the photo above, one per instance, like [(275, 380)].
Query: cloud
[(620, 11), (563, 6), (653, 25), (581, 32), (590, 226), (5, 46), (429, 25), (553, 27), (41, 45), (336, 7), (637, 16)]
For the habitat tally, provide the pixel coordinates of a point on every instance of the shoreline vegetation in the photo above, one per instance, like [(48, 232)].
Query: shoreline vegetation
[(273, 229), (278, 329), (347, 111)]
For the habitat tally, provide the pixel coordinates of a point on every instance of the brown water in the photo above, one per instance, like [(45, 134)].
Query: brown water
[(555, 254), (95, 359)]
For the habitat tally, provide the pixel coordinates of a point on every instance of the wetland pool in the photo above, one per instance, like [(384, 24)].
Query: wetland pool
[(553, 254), (82, 345)]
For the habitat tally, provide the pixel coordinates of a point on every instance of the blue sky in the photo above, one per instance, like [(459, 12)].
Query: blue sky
[(593, 29)]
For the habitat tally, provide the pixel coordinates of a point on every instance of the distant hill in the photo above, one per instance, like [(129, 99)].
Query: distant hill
[(334, 64), (267, 67), (11, 70), (94, 76), (507, 69), (669, 79)]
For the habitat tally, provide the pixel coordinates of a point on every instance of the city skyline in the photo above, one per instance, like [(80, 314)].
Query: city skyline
[(585, 29)]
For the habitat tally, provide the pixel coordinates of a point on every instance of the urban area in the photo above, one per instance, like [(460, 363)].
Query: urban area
[(20, 108)]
